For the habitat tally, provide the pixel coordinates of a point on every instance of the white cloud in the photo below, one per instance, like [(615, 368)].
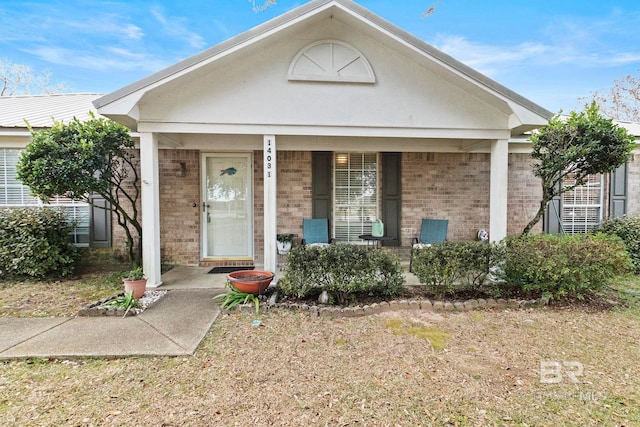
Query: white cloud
[(109, 58), (495, 59), (176, 27), (491, 59)]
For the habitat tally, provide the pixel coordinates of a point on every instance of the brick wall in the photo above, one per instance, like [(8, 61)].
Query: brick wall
[(294, 196), (454, 186), (525, 193), (118, 234), (179, 218), (294, 191), (445, 186)]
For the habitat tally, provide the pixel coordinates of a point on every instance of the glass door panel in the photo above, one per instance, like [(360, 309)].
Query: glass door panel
[(227, 208)]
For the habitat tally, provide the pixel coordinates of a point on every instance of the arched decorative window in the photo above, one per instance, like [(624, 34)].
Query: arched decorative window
[(331, 61)]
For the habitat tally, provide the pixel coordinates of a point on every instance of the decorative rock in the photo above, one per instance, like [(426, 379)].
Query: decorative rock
[(448, 306), (323, 298), (383, 306), (459, 306), (273, 299), (403, 305), (414, 305), (438, 305), (357, 311), (426, 304), (348, 312), (512, 303), (492, 303), (482, 303), (471, 304), (313, 311)]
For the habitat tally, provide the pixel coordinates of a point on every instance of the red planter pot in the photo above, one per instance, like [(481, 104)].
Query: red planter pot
[(250, 281)]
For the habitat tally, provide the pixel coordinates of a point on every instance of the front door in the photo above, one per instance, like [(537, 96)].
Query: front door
[(227, 215)]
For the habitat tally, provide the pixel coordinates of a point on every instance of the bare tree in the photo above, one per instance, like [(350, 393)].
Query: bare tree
[(431, 9), (622, 101), (261, 6), (258, 7), (20, 79)]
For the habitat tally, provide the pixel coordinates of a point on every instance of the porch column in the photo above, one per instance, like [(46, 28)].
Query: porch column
[(270, 200), (150, 208), (498, 194)]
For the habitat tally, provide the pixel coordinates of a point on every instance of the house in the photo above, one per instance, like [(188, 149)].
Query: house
[(329, 111)]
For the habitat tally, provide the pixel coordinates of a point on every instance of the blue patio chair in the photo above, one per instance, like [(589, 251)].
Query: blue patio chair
[(432, 231), (315, 232)]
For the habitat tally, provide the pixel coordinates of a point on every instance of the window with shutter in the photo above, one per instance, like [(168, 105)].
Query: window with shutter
[(14, 194), (355, 196), (582, 206)]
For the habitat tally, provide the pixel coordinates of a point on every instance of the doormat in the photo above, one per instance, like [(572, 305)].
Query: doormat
[(218, 270)]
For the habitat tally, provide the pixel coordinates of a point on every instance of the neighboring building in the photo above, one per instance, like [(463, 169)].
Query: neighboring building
[(329, 111), (17, 114)]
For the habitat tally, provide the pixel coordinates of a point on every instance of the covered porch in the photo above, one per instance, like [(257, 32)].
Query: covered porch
[(271, 113)]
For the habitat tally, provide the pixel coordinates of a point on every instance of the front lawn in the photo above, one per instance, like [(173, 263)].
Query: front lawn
[(409, 368), (61, 298)]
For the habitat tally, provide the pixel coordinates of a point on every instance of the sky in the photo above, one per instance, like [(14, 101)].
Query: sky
[(555, 53)]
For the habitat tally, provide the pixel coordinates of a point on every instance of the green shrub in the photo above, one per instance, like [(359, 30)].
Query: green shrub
[(559, 266), (627, 229), (35, 242), (344, 271), (451, 267)]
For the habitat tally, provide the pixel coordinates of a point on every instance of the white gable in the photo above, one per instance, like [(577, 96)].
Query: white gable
[(303, 73)]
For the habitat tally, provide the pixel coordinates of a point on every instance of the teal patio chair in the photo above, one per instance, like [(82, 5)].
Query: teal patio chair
[(315, 232), (432, 231)]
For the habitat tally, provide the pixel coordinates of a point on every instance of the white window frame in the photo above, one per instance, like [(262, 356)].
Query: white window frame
[(577, 203), (343, 162)]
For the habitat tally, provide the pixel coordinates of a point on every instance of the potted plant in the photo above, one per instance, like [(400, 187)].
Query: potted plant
[(284, 243), (250, 281), (136, 282)]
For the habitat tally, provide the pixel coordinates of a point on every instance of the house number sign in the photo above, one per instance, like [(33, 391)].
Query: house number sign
[(269, 153)]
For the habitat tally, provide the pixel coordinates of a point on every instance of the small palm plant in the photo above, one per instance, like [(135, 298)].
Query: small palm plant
[(235, 297)]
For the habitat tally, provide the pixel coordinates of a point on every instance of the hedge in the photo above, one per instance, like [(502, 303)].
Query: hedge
[(627, 229), (344, 271), (34, 242)]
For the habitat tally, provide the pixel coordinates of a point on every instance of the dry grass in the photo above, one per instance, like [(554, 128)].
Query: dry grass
[(61, 298), (395, 369)]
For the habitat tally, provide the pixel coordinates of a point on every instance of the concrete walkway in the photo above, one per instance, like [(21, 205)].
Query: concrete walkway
[(173, 326)]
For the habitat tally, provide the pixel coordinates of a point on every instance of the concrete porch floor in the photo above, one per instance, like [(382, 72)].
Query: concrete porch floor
[(193, 277)]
